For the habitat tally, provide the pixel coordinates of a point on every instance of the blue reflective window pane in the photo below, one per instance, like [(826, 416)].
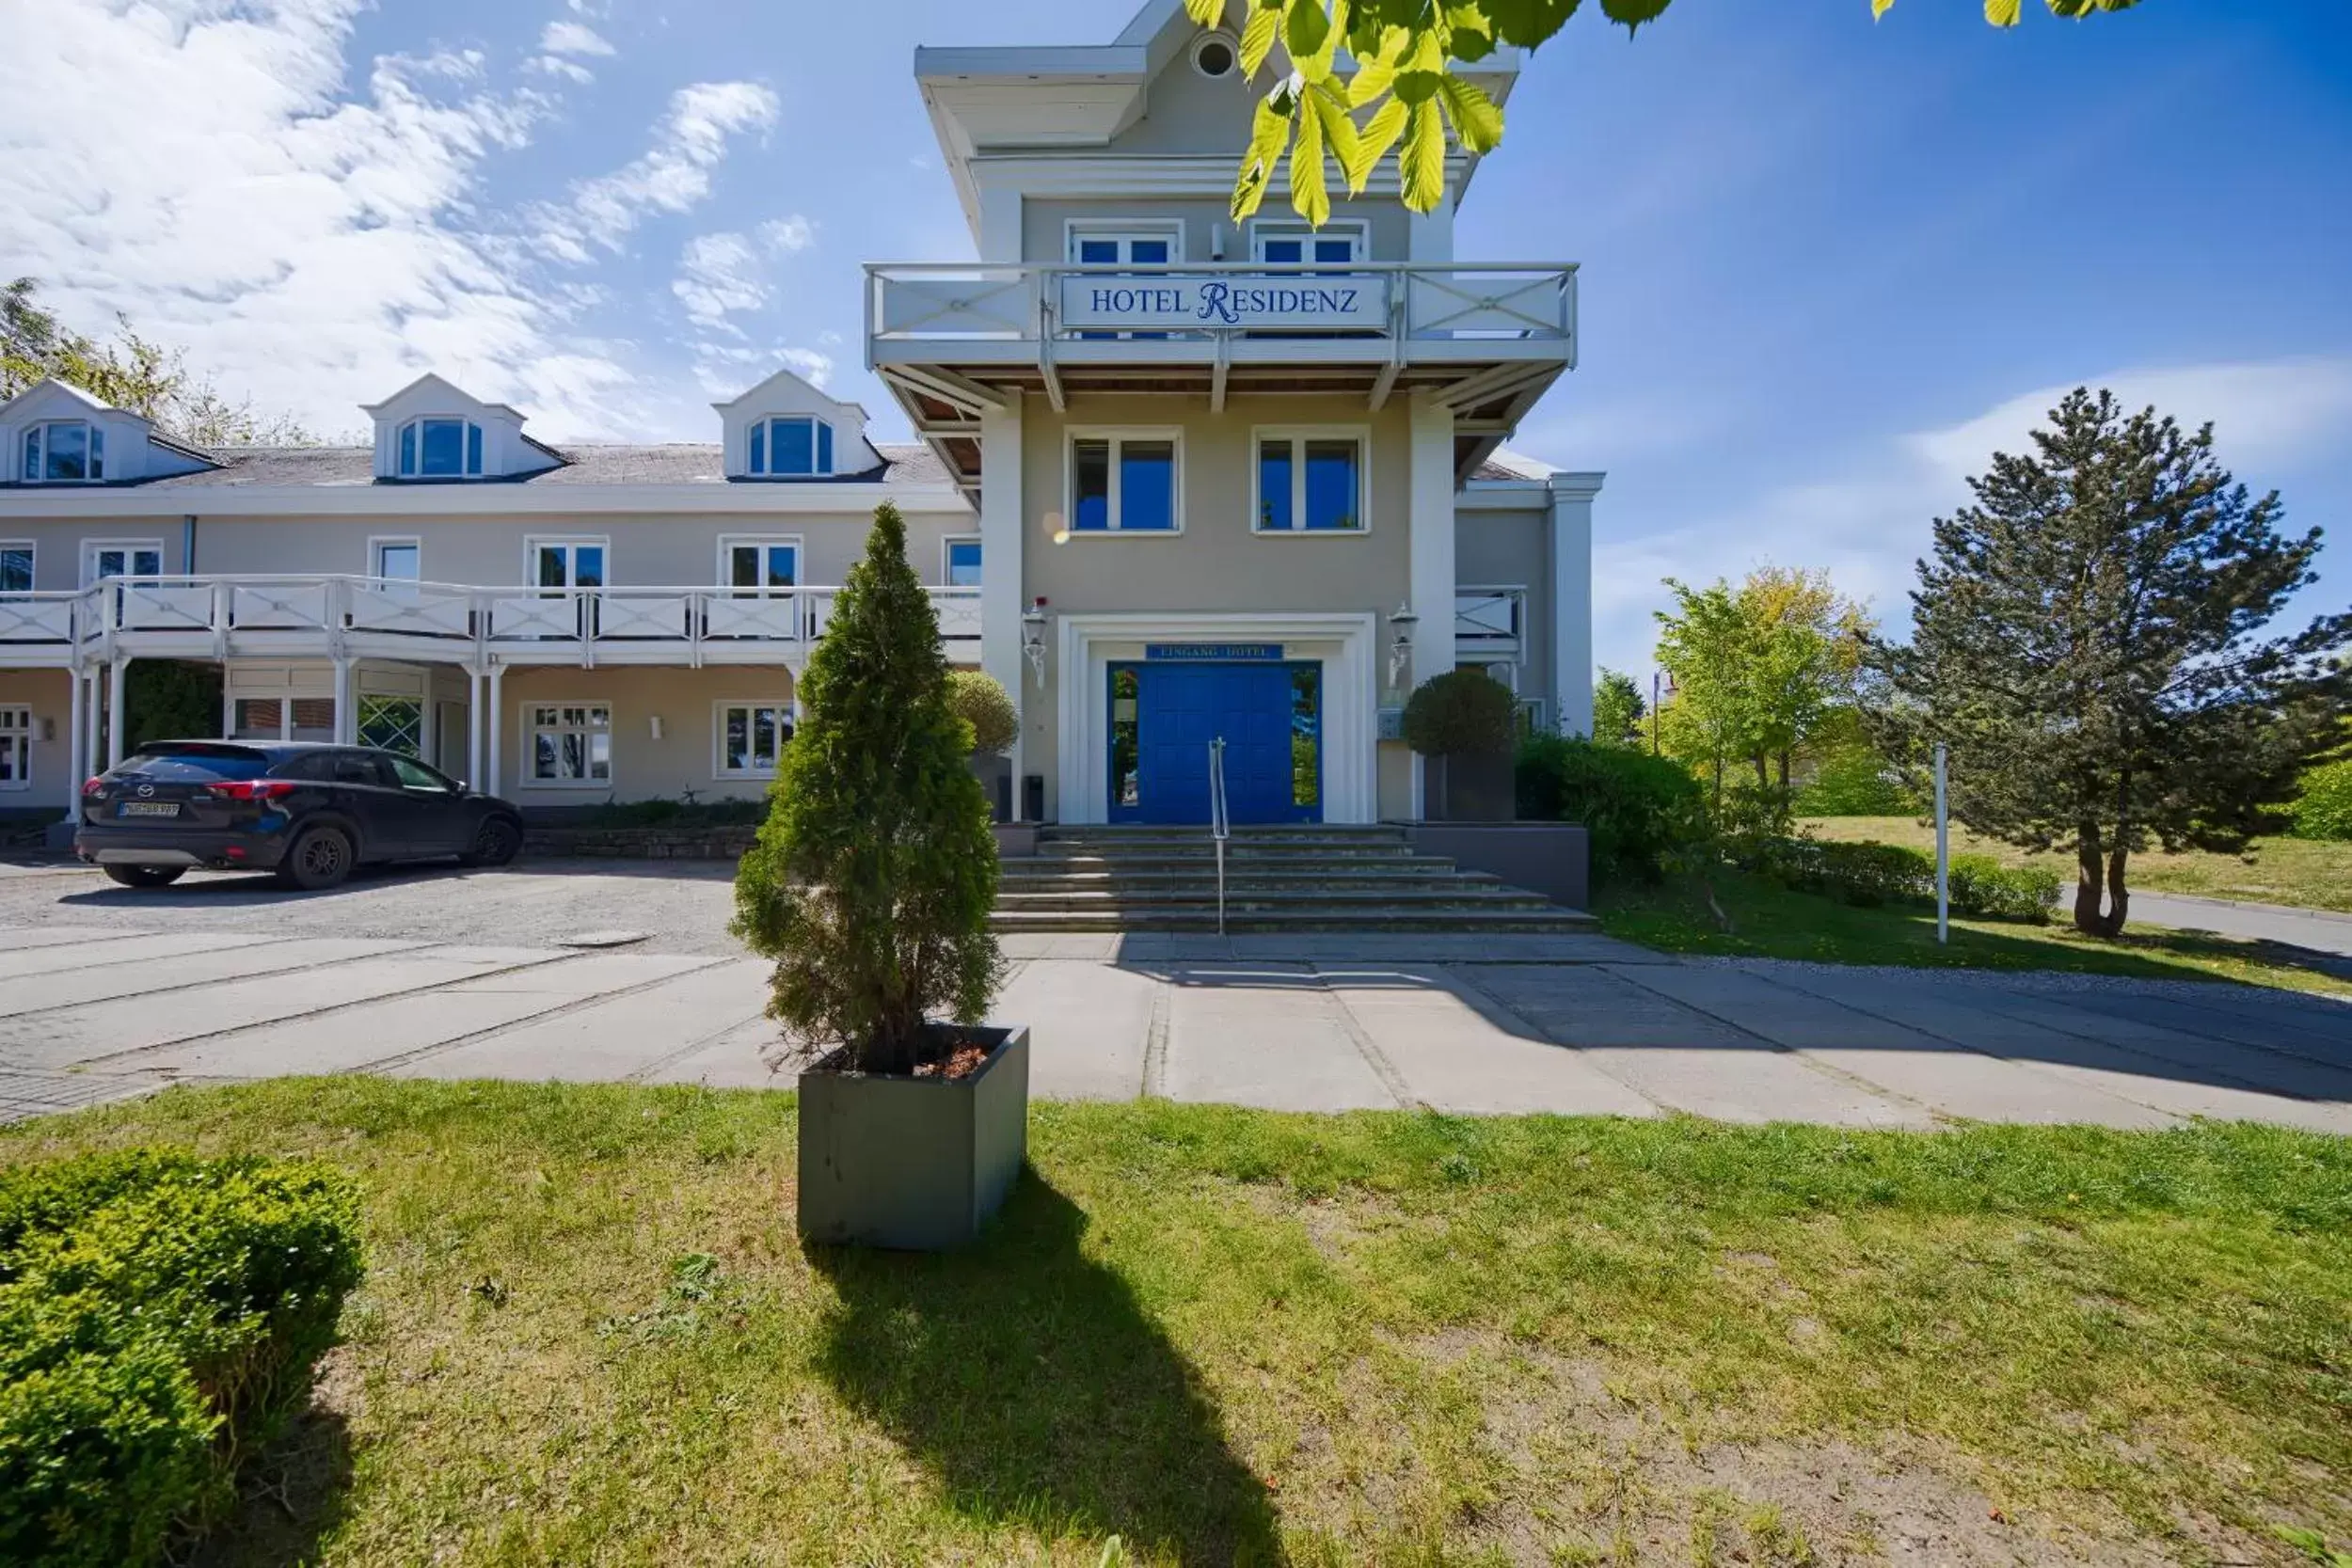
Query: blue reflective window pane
[(97, 452), (963, 564), (1274, 485), (824, 447), (16, 569), (759, 448), (68, 452), (783, 566), (473, 448), (1284, 252), (1332, 490), (1098, 253), (1148, 253), (794, 448), (1147, 485), (407, 448), (32, 453), (588, 566), (444, 447), (1335, 250), (1091, 500)]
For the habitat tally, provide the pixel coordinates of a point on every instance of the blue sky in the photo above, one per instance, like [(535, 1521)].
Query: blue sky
[(1828, 265)]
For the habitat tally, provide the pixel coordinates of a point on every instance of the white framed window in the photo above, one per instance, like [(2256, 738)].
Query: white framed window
[(396, 560), (16, 565), (439, 447), (1124, 241), (960, 561), (571, 744), (1310, 480), (64, 452), (1125, 481), (748, 737), (16, 748), (760, 565), (1274, 243), (121, 558), (558, 562), (792, 446)]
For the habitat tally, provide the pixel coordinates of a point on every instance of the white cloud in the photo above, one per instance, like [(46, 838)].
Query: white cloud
[(673, 175), (573, 38), (555, 65), (788, 234), (718, 274), (1869, 523)]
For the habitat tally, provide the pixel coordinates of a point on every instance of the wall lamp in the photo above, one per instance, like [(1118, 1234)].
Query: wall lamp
[(1033, 638), (1400, 623)]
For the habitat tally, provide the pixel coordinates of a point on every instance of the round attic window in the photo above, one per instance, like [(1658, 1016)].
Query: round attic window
[(1214, 56)]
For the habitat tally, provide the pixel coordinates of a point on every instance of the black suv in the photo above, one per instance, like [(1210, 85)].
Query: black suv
[(307, 812)]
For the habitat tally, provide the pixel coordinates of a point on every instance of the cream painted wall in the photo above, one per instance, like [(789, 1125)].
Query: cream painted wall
[(1514, 549), (50, 694), (57, 543), (643, 767)]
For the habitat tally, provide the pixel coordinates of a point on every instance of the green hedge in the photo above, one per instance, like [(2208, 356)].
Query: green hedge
[(2323, 809), (1870, 875), (160, 1318), (1638, 808)]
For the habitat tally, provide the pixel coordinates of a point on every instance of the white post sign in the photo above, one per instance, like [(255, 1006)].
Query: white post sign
[(1197, 302), (1943, 855)]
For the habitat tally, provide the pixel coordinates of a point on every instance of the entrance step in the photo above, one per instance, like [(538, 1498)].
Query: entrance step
[(1283, 877)]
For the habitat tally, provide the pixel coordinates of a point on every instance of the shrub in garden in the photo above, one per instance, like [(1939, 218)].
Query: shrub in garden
[(1871, 875), (1982, 886), (872, 880), (1638, 809), (2323, 807), (1461, 713), (979, 700), (160, 1319)]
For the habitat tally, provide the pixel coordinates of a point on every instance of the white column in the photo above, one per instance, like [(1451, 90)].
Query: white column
[(77, 766), (345, 723), (1572, 600), (494, 715), (228, 705), (1002, 527), (1431, 527), (115, 673), (473, 729), (93, 743)]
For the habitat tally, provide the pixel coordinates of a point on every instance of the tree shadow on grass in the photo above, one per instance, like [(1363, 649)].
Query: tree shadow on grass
[(1030, 1380), (288, 1500)]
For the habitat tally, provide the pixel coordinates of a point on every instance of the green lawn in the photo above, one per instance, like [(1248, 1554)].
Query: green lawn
[(1770, 922), (2305, 873), (588, 1336)]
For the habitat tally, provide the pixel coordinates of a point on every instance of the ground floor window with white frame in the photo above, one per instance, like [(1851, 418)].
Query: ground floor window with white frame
[(16, 748), (571, 743), (749, 739)]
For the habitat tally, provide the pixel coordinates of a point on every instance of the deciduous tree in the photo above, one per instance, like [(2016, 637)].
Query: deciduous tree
[(1617, 709), (2090, 641)]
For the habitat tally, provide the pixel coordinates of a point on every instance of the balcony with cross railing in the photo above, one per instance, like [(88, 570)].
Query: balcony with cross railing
[(295, 617)]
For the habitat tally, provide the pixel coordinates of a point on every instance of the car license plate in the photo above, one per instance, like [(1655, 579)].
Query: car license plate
[(148, 808)]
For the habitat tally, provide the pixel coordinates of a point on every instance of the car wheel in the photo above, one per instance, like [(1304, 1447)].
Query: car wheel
[(320, 859), (146, 876), (495, 844)]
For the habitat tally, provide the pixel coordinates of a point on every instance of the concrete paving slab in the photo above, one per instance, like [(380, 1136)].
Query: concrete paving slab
[(1902, 1061), (1263, 1035), (15, 937), (1683, 1059), (160, 977), (735, 1060), (612, 1039), (1454, 1056), (2154, 1051), (2236, 1019), (113, 1030), (1089, 1027), (1382, 948), (569, 977), (1094, 946), (25, 962), (23, 1095)]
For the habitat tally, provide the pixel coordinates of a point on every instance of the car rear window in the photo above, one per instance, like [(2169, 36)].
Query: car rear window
[(194, 767)]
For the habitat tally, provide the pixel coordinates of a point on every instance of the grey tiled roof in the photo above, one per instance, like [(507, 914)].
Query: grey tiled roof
[(586, 464)]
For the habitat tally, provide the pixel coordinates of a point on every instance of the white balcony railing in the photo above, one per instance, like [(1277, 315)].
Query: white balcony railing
[(295, 615), (1489, 618), (913, 306)]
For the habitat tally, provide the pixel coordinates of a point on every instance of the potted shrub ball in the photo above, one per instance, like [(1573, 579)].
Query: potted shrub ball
[(1465, 724), (981, 700), (869, 887)]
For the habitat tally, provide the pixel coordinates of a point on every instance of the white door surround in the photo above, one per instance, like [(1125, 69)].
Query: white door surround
[(1343, 642)]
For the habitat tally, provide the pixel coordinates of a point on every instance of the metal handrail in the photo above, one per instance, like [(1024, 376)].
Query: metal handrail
[(1220, 824)]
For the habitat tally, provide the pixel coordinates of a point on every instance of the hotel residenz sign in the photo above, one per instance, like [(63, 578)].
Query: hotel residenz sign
[(1197, 302)]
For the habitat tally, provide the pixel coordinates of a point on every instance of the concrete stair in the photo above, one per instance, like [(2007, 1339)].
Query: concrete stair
[(1282, 879)]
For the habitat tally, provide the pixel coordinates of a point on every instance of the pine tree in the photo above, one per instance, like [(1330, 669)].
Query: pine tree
[(2087, 640), (871, 881)]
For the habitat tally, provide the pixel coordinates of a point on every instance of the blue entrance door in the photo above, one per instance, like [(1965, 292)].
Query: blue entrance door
[(1180, 708)]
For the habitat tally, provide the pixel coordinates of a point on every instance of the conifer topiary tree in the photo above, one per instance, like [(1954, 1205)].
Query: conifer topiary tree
[(2090, 641), (873, 875)]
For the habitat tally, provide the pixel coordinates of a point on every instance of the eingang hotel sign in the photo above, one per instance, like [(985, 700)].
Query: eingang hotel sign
[(1180, 302)]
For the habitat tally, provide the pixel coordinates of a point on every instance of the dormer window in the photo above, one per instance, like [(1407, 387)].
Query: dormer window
[(64, 452), (796, 445), (440, 449)]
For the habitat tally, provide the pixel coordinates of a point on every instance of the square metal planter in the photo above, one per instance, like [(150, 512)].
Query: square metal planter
[(914, 1164)]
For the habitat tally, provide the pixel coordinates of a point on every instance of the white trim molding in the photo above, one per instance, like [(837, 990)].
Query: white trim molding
[(787, 711), (1343, 642)]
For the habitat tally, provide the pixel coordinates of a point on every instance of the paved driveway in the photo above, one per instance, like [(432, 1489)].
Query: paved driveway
[(106, 992)]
